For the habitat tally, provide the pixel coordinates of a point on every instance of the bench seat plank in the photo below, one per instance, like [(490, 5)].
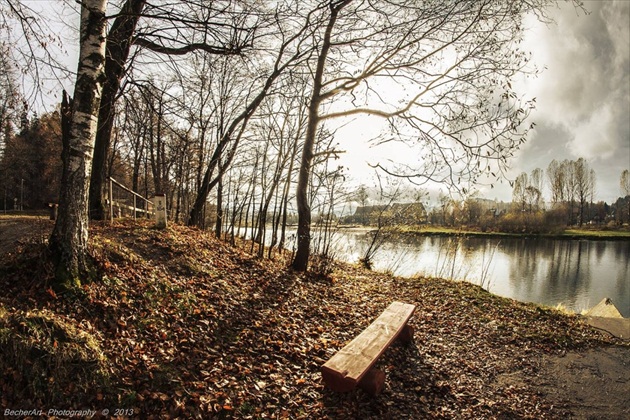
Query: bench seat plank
[(348, 366)]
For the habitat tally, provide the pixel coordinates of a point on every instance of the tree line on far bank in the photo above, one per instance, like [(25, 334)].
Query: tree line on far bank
[(571, 202)]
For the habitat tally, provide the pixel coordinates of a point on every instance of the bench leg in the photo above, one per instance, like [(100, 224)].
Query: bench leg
[(373, 382), (336, 381), (406, 335)]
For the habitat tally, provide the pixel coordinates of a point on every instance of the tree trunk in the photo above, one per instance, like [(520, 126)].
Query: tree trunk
[(119, 42), (300, 262), (68, 242), (285, 196), (219, 221)]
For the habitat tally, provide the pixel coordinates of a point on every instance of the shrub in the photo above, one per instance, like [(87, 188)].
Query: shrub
[(523, 222)]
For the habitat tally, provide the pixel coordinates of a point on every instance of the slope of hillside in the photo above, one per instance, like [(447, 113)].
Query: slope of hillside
[(183, 325)]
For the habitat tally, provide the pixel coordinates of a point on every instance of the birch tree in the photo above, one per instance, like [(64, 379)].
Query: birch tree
[(68, 243)]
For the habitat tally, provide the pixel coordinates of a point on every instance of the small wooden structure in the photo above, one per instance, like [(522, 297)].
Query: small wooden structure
[(353, 365)]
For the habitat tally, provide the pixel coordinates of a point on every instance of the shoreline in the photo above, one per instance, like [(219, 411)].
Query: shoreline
[(569, 234)]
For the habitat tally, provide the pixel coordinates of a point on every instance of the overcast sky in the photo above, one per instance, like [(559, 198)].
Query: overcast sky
[(582, 96)]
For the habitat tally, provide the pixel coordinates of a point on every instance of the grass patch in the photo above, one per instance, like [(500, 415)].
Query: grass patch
[(45, 357), (562, 234), (596, 234)]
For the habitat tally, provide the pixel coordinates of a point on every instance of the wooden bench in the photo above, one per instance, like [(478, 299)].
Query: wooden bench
[(353, 365)]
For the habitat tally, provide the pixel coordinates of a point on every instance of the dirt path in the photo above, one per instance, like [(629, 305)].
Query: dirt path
[(22, 229), (588, 385)]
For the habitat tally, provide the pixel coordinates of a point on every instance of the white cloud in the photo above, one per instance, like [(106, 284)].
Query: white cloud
[(595, 136), (583, 96)]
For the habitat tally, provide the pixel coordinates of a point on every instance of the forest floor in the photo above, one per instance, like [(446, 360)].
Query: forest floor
[(181, 325)]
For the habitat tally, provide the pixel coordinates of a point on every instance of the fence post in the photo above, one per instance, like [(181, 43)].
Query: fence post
[(111, 202), (53, 210), (134, 207), (159, 202)]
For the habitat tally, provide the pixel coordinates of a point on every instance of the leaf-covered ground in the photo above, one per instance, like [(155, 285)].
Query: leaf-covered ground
[(191, 327)]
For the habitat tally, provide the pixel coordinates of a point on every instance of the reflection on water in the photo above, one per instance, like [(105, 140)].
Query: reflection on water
[(575, 273)]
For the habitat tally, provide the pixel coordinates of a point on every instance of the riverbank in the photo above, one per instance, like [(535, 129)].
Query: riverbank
[(588, 234), (184, 325)]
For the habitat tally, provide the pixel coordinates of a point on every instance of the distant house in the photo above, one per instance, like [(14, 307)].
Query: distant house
[(365, 214)]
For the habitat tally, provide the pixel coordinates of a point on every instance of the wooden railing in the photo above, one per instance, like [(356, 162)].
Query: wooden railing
[(129, 202)]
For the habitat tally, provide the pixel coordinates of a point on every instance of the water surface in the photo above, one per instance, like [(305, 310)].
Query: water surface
[(574, 273)]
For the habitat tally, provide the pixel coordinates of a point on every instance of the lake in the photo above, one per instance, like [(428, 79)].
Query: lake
[(574, 273)]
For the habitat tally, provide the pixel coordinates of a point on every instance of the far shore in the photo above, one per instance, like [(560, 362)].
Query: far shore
[(573, 233), (587, 233)]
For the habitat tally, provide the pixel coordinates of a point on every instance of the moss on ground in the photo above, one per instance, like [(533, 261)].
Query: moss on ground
[(43, 355)]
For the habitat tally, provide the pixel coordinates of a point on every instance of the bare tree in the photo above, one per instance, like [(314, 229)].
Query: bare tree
[(68, 242), (472, 210), (136, 113), (536, 182), (32, 47), (624, 183), (527, 191), (519, 191), (448, 67), (214, 90), (584, 185), (362, 198), (556, 180), (292, 49), (166, 29), (280, 127), (386, 198), (570, 189), (300, 262), (571, 181)]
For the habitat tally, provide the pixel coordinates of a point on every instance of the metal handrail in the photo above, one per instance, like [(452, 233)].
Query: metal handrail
[(135, 197)]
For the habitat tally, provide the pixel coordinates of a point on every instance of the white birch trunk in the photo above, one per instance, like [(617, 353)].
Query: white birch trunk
[(68, 242)]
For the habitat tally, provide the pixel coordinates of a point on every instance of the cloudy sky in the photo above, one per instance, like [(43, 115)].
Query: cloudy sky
[(582, 96)]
